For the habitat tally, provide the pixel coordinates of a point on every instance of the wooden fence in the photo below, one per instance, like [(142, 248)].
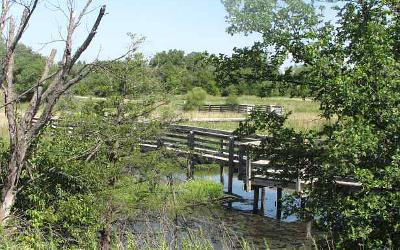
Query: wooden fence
[(225, 148), (244, 108), (210, 145)]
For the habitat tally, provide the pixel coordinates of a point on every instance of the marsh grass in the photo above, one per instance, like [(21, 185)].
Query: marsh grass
[(227, 126), (299, 122), (290, 104), (305, 114), (3, 119), (205, 115)]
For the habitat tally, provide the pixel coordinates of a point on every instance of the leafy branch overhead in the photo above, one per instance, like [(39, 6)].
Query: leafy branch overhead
[(352, 68)]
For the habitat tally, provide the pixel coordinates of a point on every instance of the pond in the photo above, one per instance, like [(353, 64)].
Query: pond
[(289, 233)]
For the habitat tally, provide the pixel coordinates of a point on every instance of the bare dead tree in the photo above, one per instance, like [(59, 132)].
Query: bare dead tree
[(23, 130)]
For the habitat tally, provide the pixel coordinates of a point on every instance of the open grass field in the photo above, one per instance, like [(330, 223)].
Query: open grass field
[(3, 119), (305, 112)]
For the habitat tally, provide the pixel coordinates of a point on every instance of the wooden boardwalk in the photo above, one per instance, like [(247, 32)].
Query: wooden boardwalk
[(218, 146)]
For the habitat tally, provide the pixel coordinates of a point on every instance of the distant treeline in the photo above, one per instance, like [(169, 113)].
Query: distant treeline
[(247, 71)]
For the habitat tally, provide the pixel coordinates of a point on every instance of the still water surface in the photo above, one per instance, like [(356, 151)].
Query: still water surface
[(286, 234)]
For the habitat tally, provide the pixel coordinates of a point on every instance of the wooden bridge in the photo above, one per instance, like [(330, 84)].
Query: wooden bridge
[(202, 145), (215, 146)]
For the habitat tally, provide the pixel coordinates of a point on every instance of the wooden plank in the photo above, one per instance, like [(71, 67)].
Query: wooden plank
[(209, 141), (172, 141), (205, 146)]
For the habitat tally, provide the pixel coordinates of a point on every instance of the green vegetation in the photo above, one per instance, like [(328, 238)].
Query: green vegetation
[(195, 98), (86, 182), (232, 100), (352, 68)]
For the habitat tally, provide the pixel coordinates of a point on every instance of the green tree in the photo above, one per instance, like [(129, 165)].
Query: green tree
[(352, 70), (28, 68), (195, 98), (181, 72), (131, 77), (246, 70)]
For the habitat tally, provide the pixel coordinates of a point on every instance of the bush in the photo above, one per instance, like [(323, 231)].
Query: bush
[(195, 98), (232, 100), (230, 90), (200, 191)]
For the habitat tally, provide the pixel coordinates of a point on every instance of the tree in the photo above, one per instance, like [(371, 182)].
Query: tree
[(181, 72), (195, 98), (250, 70), (28, 68), (121, 77), (353, 69), (24, 131)]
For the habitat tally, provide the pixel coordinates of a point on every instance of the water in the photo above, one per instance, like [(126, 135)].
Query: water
[(246, 202), (289, 233)]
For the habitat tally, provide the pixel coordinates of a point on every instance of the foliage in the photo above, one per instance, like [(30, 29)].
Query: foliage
[(131, 78), (89, 173), (244, 70), (200, 191), (353, 70), (180, 72), (232, 100), (195, 98), (28, 68), (251, 71)]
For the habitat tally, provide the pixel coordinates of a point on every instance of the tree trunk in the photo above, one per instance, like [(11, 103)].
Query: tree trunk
[(8, 192), (105, 239)]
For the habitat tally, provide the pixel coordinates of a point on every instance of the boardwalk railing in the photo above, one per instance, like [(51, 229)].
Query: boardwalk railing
[(208, 145), (243, 108)]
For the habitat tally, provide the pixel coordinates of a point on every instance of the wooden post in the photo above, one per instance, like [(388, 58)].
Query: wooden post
[(279, 203), (159, 143), (221, 165), (248, 173), (308, 219), (242, 162), (263, 200), (256, 198), (298, 185), (231, 163), (190, 163), (221, 148), (298, 182), (221, 173)]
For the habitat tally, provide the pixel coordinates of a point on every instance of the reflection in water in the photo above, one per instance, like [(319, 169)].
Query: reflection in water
[(246, 201), (286, 234)]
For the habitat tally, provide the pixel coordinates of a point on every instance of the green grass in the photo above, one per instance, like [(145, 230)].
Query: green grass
[(305, 112), (3, 118), (290, 104), (228, 126)]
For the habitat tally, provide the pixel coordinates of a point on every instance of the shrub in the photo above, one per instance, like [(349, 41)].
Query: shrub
[(230, 90), (195, 98), (232, 100), (199, 191)]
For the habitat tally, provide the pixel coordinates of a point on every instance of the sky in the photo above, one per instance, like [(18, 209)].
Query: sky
[(189, 25)]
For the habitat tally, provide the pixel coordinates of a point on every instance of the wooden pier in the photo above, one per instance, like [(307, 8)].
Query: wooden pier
[(202, 145)]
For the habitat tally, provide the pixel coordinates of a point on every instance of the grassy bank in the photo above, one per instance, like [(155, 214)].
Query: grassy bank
[(305, 112)]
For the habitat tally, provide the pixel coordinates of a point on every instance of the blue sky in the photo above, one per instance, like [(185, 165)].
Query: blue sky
[(190, 25)]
